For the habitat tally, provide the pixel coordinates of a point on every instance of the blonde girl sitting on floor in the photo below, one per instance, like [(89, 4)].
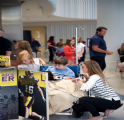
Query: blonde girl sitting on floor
[(29, 63)]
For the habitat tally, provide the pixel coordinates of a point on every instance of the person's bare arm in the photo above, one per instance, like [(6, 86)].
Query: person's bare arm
[(42, 61), (82, 51), (121, 55), (79, 82), (15, 62), (38, 48), (40, 91), (19, 67), (86, 77), (49, 44), (56, 51), (8, 53), (95, 48), (67, 78)]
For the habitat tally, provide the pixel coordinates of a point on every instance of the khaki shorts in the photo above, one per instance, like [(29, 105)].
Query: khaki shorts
[(122, 64)]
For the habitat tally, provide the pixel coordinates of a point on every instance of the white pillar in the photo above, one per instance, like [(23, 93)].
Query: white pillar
[(110, 14)]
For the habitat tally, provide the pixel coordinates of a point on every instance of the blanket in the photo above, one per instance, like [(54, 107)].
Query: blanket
[(62, 94)]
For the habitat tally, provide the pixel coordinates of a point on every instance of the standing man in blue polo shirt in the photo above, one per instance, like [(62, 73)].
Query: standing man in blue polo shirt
[(35, 45), (98, 49)]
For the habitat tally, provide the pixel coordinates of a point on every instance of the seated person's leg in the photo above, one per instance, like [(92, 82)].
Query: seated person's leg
[(122, 59), (121, 66)]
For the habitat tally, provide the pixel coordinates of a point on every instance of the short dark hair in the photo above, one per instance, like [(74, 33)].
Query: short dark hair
[(60, 60), (51, 38), (2, 30), (100, 29), (61, 39), (61, 45)]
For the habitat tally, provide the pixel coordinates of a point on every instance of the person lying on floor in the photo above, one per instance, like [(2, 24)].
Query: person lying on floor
[(105, 100), (60, 70)]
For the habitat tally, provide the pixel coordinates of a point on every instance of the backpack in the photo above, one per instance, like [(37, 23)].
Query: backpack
[(78, 110)]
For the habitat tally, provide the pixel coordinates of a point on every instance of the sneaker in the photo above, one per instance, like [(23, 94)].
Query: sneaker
[(42, 118)]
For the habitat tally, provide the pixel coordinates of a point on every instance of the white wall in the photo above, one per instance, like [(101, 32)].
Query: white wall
[(110, 14), (68, 31), (85, 9)]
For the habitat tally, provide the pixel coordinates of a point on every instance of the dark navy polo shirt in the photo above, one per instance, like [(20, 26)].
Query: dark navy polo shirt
[(34, 45), (97, 40)]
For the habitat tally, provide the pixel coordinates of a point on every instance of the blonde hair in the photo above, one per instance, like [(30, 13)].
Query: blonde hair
[(28, 56), (121, 48), (94, 68), (24, 45)]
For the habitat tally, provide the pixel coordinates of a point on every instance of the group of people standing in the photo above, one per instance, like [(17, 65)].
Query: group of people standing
[(69, 49), (97, 48)]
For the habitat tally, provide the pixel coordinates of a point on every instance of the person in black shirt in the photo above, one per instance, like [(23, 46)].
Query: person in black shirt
[(35, 45), (5, 45)]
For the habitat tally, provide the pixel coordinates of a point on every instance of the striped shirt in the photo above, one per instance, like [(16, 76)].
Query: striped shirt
[(96, 85)]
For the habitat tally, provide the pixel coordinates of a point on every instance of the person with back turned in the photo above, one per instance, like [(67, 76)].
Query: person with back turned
[(5, 45), (35, 45)]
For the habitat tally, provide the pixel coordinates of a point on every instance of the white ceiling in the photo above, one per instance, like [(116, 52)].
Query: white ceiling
[(34, 11)]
